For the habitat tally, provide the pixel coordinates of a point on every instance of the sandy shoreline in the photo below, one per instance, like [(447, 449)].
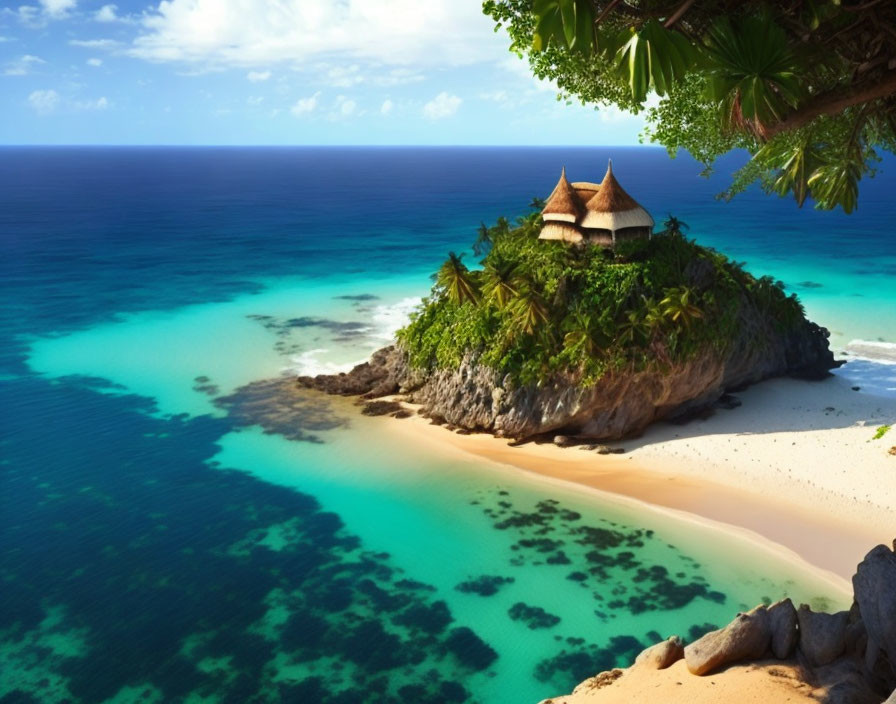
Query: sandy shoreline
[(784, 468)]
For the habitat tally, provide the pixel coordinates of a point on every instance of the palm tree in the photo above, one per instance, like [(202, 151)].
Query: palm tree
[(483, 243), (675, 227), (502, 227), (633, 328), (500, 281), (457, 281), (529, 310), (677, 306), (654, 317), (537, 203), (585, 332)]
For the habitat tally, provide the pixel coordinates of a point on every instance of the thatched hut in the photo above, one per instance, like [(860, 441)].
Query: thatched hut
[(597, 213)]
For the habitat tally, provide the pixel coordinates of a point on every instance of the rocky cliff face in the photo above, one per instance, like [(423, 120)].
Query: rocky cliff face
[(620, 404)]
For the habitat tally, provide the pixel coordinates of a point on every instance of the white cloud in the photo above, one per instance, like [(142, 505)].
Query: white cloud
[(22, 66), (94, 62), (94, 43), (108, 13), (254, 100), (28, 15), (58, 8), (304, 106), (345, 76), (101, 103), (258, 76), (43, 102), (397, 77), (496, 96), (235, 33), (443, 105), (345, 107), (36, 16), (386, 107)]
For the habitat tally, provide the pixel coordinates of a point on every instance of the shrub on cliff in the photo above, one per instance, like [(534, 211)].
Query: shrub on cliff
[(538, 309)]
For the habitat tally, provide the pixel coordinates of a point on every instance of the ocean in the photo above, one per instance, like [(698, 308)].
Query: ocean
[(170, 533)]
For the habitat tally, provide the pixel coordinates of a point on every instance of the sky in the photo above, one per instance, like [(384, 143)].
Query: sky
[(277, 72)]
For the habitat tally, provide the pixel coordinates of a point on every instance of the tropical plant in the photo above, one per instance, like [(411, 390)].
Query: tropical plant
[(530, 310), (537, 203), (632, 328), (500, 281), (679, 307), (541, 308), (483, 243), (585, 332), (675, 227), (808, 87), (457, 281)]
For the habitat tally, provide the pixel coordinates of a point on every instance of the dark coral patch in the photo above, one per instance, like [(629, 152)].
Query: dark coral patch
[(569, 667), (533, 616), (485, 585), (470, 649)]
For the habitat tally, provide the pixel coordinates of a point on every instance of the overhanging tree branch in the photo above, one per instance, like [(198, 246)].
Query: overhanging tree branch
[(834, 103)]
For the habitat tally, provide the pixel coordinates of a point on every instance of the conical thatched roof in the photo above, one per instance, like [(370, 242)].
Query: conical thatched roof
[(563, 204), (611, 208), (611, 198)]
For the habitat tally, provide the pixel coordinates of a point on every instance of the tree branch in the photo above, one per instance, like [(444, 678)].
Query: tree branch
[(834, 102), (678, 13), (606, 11)]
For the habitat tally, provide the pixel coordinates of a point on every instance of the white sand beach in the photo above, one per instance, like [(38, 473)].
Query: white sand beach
[(795, 465)]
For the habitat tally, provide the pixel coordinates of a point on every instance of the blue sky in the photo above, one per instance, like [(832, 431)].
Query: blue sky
[(277, 72)]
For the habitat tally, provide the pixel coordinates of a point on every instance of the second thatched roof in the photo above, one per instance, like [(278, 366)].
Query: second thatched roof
[(563, 204)]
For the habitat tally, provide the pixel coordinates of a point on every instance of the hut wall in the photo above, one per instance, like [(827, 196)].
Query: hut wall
[(626, 234), (600, 237)]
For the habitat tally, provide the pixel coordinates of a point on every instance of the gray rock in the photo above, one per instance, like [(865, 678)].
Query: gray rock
[(747, 637), (822, 636), (843, 682), (661, 655), (782, 621), (874, 584)]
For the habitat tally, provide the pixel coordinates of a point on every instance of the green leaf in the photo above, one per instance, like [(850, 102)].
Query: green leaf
[(654, 57)]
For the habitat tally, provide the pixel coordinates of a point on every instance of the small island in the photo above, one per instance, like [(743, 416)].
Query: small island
[(582, 323)]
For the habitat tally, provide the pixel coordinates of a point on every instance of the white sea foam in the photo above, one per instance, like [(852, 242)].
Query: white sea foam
[(871, 366), (874, 351), (314, 362), (385, 321), (388, 319)]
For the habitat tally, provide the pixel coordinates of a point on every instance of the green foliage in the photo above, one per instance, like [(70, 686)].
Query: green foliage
[(654, 58), (538, 309), (455, 279), (881, 431), (753, 71), (806, 86)]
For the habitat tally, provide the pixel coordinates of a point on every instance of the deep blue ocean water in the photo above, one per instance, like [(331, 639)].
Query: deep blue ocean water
[(155, 545)]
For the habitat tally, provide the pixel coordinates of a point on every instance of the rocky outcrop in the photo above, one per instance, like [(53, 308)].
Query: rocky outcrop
[(661, 655), (620, 404), (378, 377), (845, 658), (747, 637), (782, 620), (822, 636), (875, 588)]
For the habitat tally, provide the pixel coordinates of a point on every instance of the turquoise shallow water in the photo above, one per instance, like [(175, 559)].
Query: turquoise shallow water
[(171, 533)]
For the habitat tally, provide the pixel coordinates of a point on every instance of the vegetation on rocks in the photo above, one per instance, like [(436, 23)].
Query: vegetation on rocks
[(539, 309)]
